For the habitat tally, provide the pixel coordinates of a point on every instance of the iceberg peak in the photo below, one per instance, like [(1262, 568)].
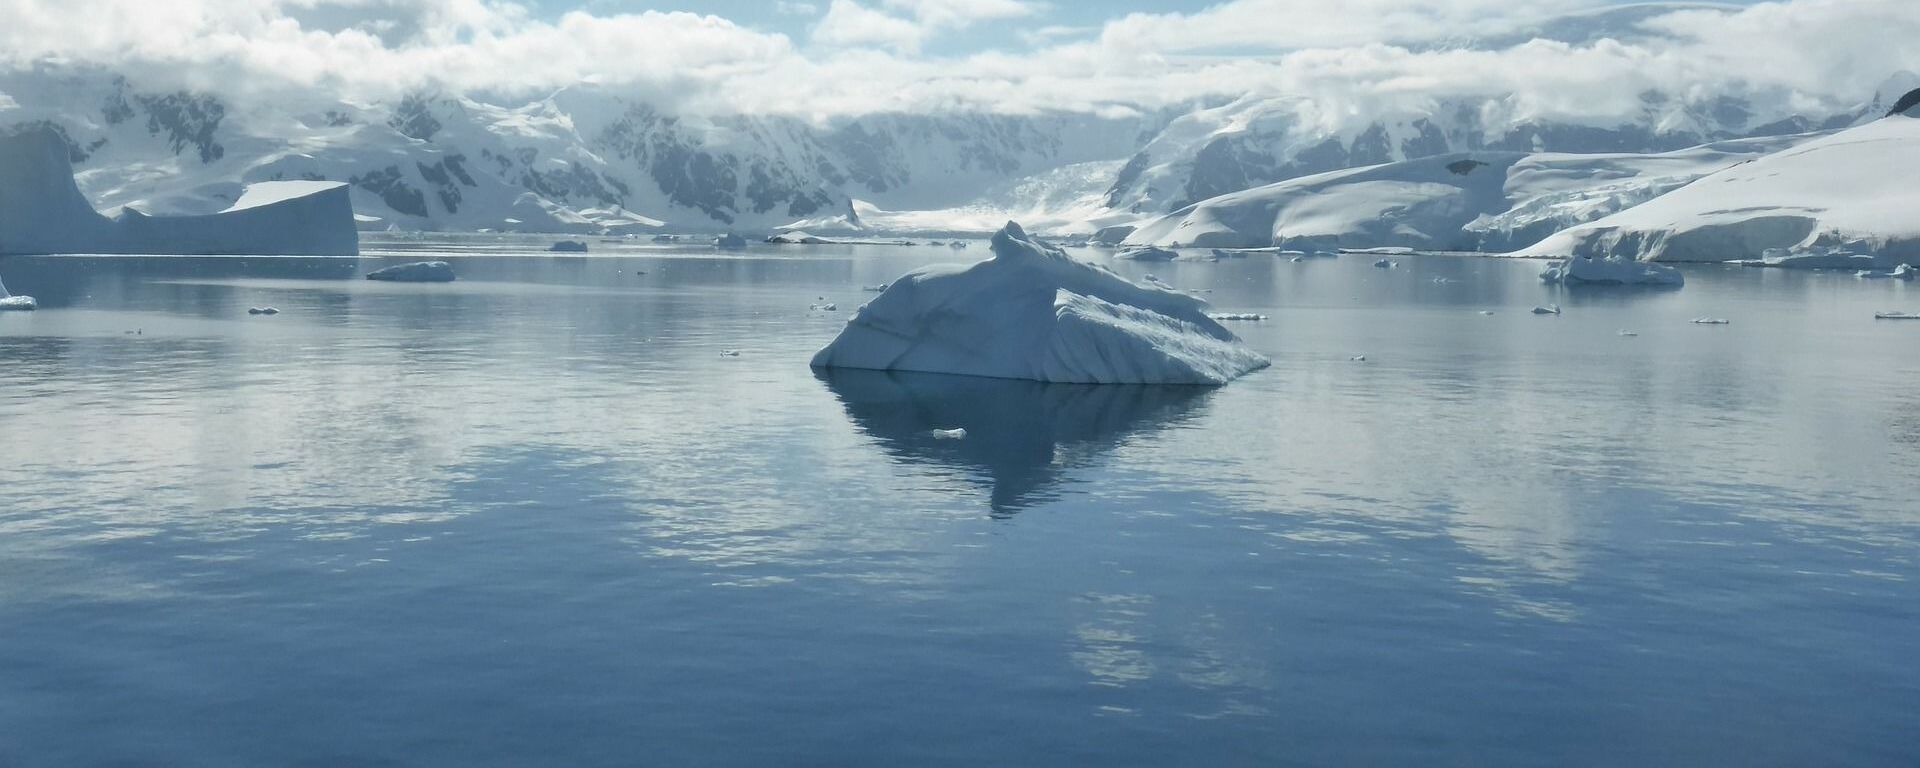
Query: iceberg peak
[(1034, 312)]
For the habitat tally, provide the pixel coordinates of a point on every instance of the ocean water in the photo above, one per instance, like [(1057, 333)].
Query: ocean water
[(540, 517)]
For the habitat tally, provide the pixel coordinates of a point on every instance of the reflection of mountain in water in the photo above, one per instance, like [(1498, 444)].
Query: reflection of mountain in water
[(1024, 435)]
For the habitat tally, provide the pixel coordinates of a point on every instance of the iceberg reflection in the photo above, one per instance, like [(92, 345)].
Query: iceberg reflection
[(1025, 436)]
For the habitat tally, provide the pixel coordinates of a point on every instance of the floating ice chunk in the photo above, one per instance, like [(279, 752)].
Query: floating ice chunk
[(730, 242), (1239, 317), (12, 303), (800, 238), (1711, 321), (263, 311), (1033, 312), (417, 272), (1625, 332), (729, 353), (1900, 272), (1358, 358), (1896, 315), (1487, 312), (1550, 309), (1385, 264), (1580, 270), (958, 246), (949, 434), (569, 246), (1147, 253), (1298, 259)]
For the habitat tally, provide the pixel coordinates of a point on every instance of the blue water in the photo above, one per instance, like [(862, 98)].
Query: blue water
[(536, 517)]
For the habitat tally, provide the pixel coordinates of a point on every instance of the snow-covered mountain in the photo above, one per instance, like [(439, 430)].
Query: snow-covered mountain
[(1843, 195), (579, 160), (1463, 201)]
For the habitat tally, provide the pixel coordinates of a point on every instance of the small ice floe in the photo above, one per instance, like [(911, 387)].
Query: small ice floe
[(1147, 253), (1625, 332), (1876, 315), (1550, 309), (1487, 312), (417, 272), (263, 311), (729, 353), (569, 246), (881, 288), (18, 304), (1245, 317), (1901, 272), (1385, 264), (1711, 321), (957, 245), (949, 434), (1358, 358), (825, 307), (1442, 280)]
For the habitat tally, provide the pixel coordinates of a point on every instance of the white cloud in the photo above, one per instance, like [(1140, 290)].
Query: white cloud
[(790, 8), (849, 23), (863, 57)]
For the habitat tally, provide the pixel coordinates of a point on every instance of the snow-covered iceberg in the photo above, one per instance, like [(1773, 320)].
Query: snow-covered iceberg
[(1147, 253), (417, 272), (12, 303), (43, 211), (1826, 202), (1581, 270), (1033, 312)]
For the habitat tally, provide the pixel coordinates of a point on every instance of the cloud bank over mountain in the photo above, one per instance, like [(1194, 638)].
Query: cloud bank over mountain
[(865, 56)]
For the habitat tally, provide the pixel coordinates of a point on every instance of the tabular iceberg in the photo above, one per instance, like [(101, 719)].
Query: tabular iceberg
[(1579, 270), (1033, 312), (42, 211), (417, 272)]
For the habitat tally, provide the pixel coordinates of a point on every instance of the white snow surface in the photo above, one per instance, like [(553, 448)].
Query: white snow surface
[(1581, 270), (1853, 188), (1033, 312), (43, 211), (1465, 201)]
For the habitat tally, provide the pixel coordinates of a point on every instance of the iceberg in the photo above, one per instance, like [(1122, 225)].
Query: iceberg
[(1581, 270), (730, 242), (43, 211), (1033, 312), (12, 303), (797, 238), (1148, 253), (417, 272)]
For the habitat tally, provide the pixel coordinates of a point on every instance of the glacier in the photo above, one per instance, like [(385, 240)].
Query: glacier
[(1844, 200), (43, 211), (1033, 312)]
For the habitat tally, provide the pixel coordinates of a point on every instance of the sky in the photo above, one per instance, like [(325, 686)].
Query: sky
[(822, 58)]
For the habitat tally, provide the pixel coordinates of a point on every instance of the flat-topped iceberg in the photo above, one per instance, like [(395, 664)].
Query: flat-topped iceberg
[(417, 272), (1033, 312), (43, 211), (1614, 271)]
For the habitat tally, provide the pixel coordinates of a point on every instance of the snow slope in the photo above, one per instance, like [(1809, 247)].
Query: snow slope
[(1469, 201), (1852, 190), (43, 211), (1033, 312)]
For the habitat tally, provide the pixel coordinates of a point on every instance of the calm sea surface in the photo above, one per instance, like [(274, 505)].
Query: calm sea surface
[(540, 517)]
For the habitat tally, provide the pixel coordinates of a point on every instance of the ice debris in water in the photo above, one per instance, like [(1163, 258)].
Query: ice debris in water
[(1612, 271), (1238, 316), (263, 310), (1385, 264), (1550, 309), (1625, 332), (729, 353), (1711, 321), (949, 434)]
